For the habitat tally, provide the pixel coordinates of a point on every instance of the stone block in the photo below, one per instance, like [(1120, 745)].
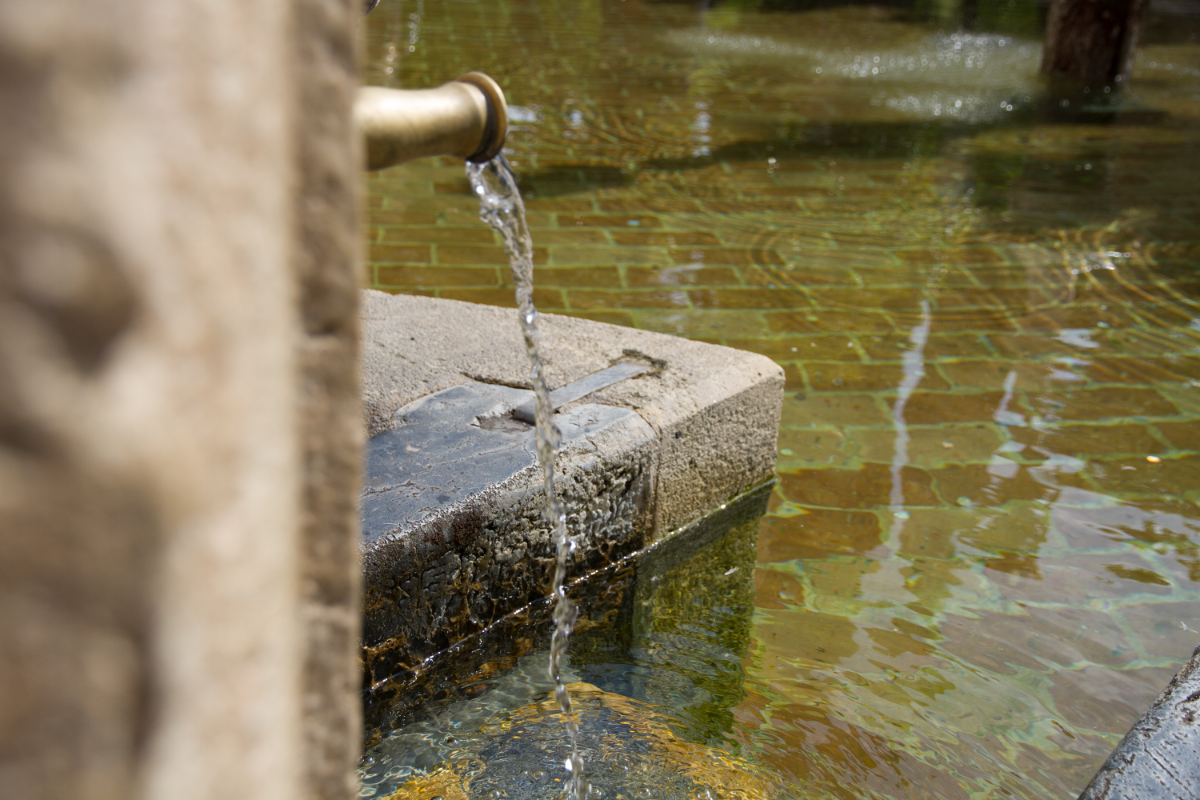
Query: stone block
[(642, 458)]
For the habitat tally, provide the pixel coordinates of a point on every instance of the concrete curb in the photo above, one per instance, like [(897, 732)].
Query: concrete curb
[(1160, 756), (649, 455)]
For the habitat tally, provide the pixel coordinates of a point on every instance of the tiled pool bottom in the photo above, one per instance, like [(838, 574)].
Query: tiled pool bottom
[(981, 562)]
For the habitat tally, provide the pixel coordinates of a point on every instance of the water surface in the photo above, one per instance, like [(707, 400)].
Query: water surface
[(981, 560)]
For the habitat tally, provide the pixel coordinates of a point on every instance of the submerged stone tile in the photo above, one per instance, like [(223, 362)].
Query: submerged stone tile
[(746, 298), (1100, 403), (800, 348), (1181, 435), (1104, 699), (688, 275), (931, 408), (1166, 477), (808, 448), (898, 276), (663, 238), (931, 532), (822, 409), (703, 323), (560, 205), (995, 374), (1016, 530), (1081, 579), (978, 320), (480, 254), (1014, 301), (830, 347), (859, 377), (1032, 345), (951, 256), (818, 533), (867, 487), (776, 589), (905, 298), (641, 206), (725, 255), (392, 218), (931, 446), (437, 276), (1076, 317), (799, 277), (404, 254), (576, 277), (1167, 630), (827, 321), (572, 255), (1112, 369), (991, 484), (438, 234), (937, 346), (972, 643), (571, 236), (1099, 440)]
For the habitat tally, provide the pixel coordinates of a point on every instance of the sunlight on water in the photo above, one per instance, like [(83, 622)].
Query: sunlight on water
[(982, 558)]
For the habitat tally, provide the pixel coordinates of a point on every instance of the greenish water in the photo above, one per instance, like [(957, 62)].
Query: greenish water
[(981, 560)]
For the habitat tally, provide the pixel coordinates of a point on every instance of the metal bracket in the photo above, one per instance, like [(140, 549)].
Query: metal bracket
[(582, 388)]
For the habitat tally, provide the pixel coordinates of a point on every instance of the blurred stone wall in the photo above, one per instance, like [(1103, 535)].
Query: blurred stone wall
[(327, 261), (178, 410)]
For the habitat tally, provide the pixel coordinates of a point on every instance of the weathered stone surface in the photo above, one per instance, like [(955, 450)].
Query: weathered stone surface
[(178, 247), (469, 563), (1160, 756), (641, 458), (715, 410), (327, 262)]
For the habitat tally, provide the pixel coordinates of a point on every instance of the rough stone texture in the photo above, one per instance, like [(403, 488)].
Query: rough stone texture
[(327, 262), (1160, 756), (715, 410), (702, 431), (151, 355), (476, 561)]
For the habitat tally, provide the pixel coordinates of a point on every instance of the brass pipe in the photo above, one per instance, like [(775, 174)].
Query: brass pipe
[(466, 118)]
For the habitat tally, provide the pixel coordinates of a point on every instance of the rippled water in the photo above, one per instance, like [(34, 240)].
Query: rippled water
[(982, 558)]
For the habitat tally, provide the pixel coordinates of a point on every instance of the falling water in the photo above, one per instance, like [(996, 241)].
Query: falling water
[(501, 207)]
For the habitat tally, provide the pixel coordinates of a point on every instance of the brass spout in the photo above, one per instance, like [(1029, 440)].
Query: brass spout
[(467, 118)]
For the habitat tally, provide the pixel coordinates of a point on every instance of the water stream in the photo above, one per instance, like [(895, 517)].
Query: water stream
[(500, 206)]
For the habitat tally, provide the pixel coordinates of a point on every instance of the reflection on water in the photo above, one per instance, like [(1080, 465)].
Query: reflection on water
[(982, 559)]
